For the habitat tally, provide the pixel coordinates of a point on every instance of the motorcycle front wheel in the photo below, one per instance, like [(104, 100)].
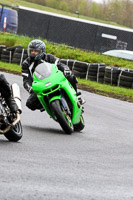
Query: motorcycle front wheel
[(63, 119), (80, 126), (15, 134)]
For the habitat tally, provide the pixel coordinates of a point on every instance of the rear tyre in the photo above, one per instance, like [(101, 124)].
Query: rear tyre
[(15, 134), (63, 119), (80, 125)]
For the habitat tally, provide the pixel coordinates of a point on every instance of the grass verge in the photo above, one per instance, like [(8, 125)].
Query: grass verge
[(124, 94)]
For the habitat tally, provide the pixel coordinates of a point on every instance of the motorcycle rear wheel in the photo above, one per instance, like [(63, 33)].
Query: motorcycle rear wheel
[(63, 120), (15, 134)]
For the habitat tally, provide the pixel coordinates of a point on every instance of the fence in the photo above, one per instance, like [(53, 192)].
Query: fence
[(72, 31)]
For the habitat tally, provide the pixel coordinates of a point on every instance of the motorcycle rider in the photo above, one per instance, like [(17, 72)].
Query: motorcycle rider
[(6, 92), (36, 55)]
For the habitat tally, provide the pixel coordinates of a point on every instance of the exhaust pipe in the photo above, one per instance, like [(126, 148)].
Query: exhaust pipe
[(11, 125), (16, 95)]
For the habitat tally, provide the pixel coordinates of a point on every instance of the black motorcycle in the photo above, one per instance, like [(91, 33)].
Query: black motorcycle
[(10, 124)]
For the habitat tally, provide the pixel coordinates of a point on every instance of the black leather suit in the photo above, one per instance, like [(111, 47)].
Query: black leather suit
[(4, 87), (6, 92)]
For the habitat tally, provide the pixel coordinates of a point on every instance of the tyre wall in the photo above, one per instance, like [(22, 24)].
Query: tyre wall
[(90, 71)]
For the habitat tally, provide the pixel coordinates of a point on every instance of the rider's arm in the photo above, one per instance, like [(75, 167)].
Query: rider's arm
[(27, 80), (64, 68), (49, 58)]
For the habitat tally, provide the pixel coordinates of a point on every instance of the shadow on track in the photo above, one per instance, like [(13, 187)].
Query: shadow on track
[(4, 142), (49, 130), (44, 130)]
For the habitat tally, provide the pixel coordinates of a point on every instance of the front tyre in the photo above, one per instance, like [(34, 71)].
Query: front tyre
[(63, 119), (15, 134), (80, 126)]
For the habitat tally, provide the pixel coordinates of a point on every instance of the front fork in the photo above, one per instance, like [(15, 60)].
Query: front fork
[(63, 103)]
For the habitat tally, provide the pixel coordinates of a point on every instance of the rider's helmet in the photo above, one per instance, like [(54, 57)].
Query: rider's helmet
[(38, 46)]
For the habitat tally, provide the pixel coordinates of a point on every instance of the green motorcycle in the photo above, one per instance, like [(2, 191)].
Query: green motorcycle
[(58, 97)]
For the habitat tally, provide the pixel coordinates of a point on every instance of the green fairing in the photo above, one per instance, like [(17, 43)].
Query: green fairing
[(48, 82)]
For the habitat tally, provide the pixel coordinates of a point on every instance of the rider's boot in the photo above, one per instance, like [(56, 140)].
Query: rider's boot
[(42, 110), (40, 107), (80, 99)]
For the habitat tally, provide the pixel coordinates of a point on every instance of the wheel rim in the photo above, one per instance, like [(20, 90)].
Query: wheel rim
[(17, 128), (68, 119), (81, 119)]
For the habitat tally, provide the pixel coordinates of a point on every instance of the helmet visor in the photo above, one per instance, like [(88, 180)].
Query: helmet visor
[(33, 51)]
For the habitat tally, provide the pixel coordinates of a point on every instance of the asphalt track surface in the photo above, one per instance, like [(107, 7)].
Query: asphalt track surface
[(47, 164)]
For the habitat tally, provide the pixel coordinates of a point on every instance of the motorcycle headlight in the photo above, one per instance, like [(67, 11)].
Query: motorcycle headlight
[(47, 84)]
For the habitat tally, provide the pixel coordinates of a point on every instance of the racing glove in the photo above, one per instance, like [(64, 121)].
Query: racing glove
[(29, 89), (67, 72)]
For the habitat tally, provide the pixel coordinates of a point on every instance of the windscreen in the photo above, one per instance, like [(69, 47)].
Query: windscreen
[(43, 70)]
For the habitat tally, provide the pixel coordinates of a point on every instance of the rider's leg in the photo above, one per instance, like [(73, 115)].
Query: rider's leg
[(33, 102), (7, 94)]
